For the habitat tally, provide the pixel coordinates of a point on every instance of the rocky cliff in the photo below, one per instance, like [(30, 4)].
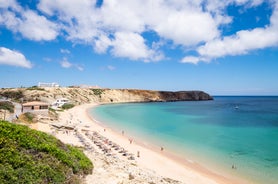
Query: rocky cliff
[(86, 95)]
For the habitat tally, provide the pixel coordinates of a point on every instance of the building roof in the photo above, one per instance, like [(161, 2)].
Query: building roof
[(62, 99), (35, 103)]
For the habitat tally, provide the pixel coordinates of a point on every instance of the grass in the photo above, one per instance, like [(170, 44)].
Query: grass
[(29, 156)]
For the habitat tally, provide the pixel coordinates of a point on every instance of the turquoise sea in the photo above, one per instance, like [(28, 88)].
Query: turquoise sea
[(240, 131)]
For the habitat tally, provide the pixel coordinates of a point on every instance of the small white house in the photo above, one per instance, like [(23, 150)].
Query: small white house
[(60, 102)]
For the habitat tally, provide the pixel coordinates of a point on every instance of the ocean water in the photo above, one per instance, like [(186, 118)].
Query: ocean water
[(240, 131)]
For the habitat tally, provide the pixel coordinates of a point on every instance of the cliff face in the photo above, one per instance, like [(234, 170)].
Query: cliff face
[(166, 96), (185, 96), (85, 95)]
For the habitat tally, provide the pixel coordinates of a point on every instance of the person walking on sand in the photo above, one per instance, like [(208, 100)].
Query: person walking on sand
[(138, 154), (234, 166)]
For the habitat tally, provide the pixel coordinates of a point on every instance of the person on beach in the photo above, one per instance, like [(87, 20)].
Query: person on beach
[(161, 149), (130, 141), (138, 154), (123, 132)]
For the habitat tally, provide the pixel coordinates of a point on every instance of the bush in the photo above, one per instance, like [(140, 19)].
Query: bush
[(35, 88), (16, 95), (29, 156), (28, 116), (67, 106), (7, 106), (98, 92)]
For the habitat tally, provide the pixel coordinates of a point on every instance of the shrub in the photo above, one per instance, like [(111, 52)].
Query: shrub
[(29, 156), (35, 88), (7, 106), (67, 106), (98, 92), (16, 95), (28, 116)]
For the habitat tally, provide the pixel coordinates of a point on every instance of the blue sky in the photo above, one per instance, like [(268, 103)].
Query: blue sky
[(221, 47)]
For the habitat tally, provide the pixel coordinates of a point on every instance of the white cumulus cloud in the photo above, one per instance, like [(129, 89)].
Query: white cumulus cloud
[(102, 43), (119, 27), (240, 43), (66, 64), (186, 27), (64, 51), (191, 59), (129, 45), (13, 58), (27, 22)]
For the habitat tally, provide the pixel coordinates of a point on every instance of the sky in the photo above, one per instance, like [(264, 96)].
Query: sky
[(221, 47)]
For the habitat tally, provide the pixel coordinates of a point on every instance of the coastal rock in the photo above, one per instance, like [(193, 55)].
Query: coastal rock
[(185, 96)]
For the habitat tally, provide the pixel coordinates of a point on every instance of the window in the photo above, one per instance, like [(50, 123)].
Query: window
[(43, 107)]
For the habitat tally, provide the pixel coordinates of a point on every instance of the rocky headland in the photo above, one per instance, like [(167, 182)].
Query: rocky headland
[(88, 95)]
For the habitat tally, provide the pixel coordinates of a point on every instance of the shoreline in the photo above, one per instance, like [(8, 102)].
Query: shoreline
[(182, 163), (162, 163)]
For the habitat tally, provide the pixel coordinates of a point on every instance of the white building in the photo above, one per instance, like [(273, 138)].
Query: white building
[(60, 102), (44, 84)]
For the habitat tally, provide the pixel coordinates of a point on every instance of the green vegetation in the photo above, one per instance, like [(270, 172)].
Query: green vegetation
[(5, 105), (67, 106), (98, 92), (16, 95), (28, 117), (35, 88), (29, 156)]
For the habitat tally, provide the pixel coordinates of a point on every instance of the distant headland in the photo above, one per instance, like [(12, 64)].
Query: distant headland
[(98, 95)]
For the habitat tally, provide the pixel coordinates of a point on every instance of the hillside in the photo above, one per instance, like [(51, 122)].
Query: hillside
[(86, 95), (29, 156)]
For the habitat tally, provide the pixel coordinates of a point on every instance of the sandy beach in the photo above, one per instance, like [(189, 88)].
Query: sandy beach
[(118, 158)]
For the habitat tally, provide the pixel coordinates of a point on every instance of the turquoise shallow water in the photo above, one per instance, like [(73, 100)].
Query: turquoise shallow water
[(228, 130)]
